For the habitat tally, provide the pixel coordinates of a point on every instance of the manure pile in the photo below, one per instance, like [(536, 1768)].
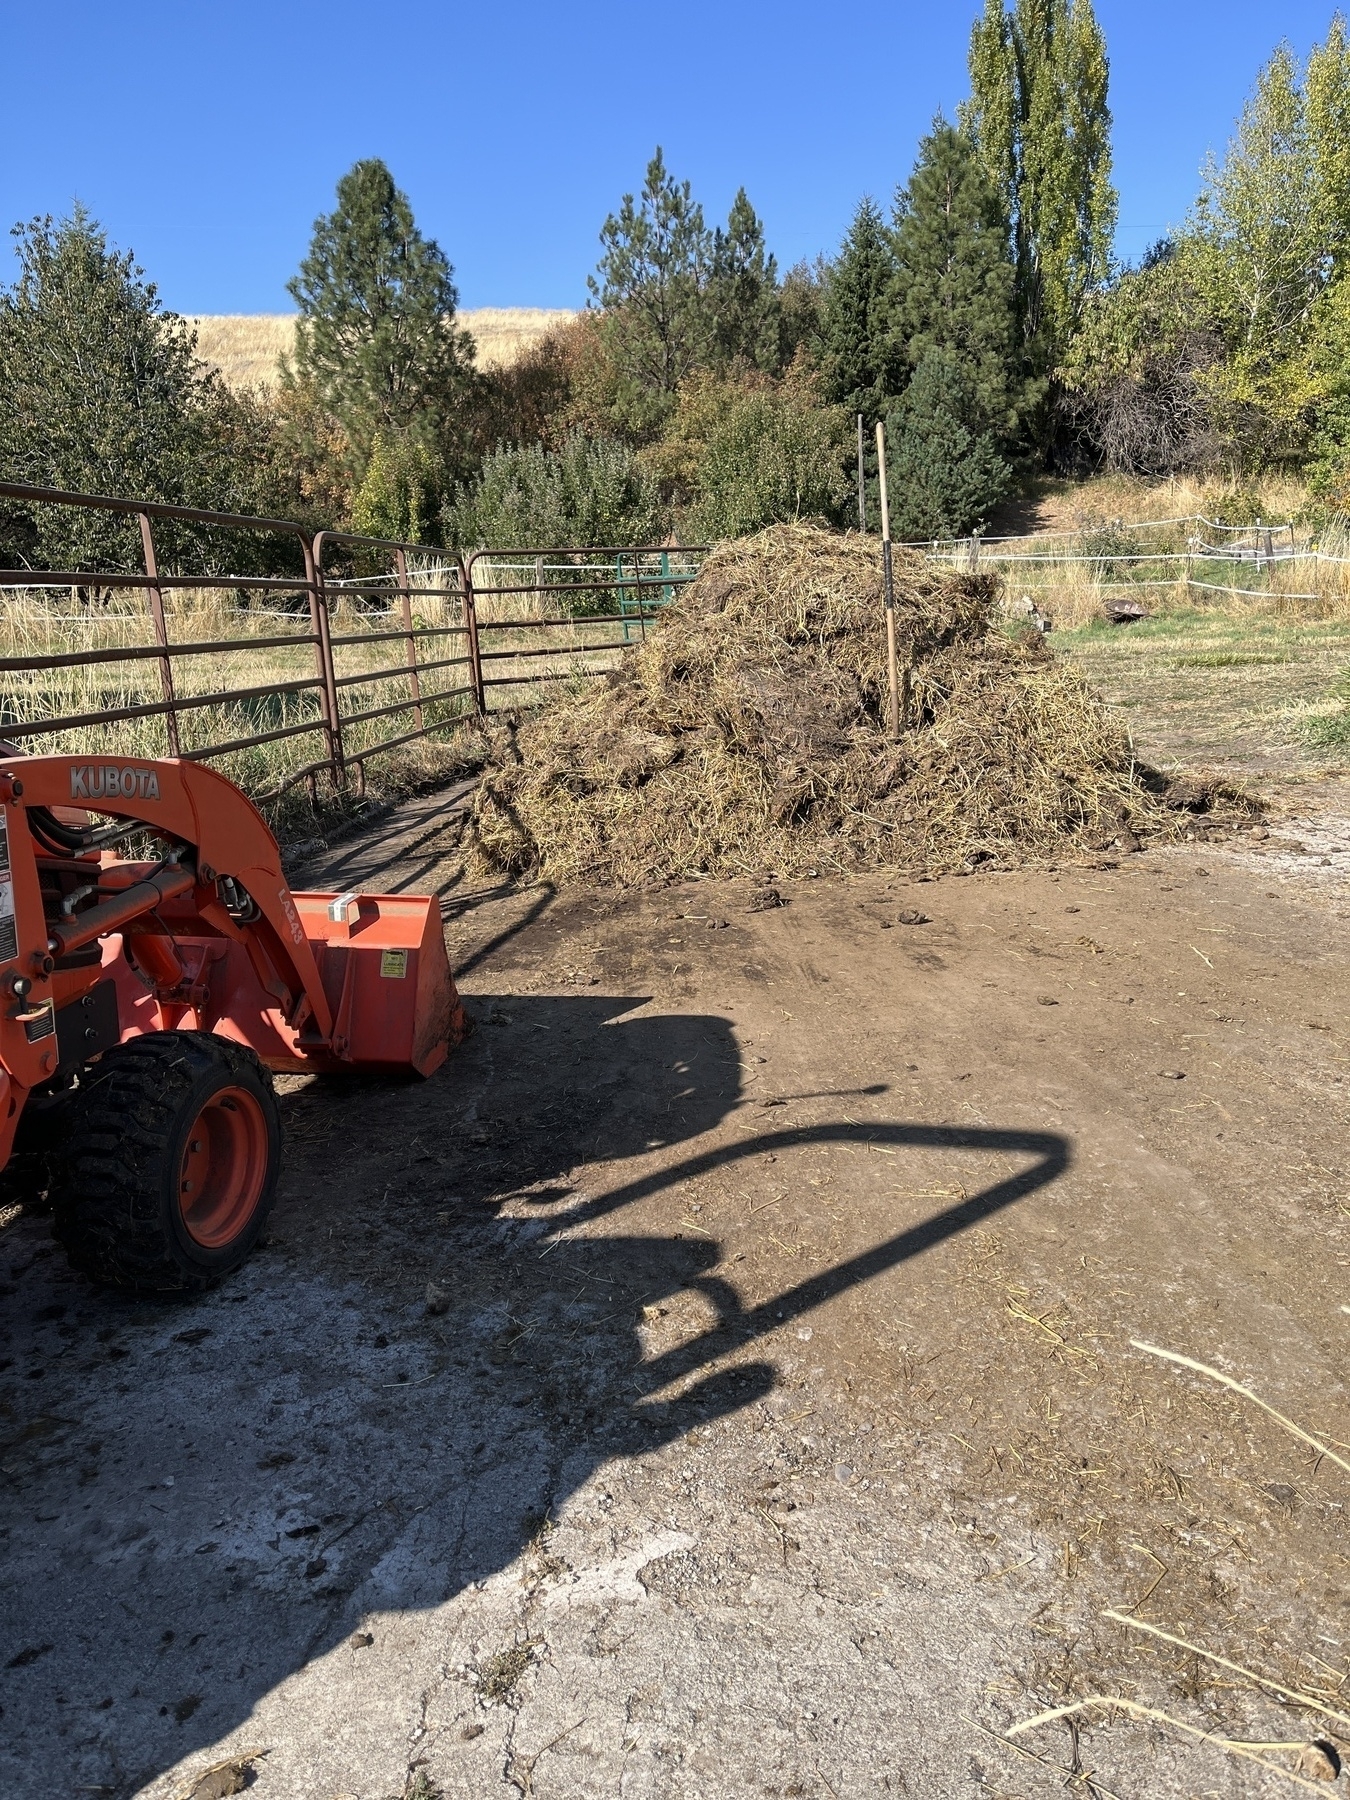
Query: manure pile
[(747, 736)]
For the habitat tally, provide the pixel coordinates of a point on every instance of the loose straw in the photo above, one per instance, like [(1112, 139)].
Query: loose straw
[(1231, 1745), (1188, 1362), (1223, 1662)]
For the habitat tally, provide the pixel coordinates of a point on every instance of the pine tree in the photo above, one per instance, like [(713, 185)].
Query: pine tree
[(743, 299), (857, 338), (100, 392), (945, 471), (650, 281), (1039, 118), (376, 338), (954, 288)]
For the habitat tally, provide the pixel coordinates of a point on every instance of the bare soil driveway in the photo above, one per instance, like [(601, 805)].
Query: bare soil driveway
[(718, 1379)]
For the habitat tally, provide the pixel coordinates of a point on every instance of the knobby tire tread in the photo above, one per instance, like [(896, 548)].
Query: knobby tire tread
[(106, 1190)]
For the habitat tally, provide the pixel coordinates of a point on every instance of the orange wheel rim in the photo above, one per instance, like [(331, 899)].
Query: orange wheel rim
[(224, 1168)]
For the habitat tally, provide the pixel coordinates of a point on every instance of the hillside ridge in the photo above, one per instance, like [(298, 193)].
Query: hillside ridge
[(245, 347)]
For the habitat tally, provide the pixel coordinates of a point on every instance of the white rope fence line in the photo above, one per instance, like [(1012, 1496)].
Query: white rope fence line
[(933, 544), (1213, 587), (1209, 553)]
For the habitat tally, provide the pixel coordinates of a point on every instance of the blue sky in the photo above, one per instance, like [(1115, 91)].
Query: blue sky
[(208, 136)]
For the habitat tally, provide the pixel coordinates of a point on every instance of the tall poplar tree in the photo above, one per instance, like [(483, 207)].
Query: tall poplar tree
[(955, 282), (1039, 118)]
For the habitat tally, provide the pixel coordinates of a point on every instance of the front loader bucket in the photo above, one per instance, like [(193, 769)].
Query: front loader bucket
[(385, 972)]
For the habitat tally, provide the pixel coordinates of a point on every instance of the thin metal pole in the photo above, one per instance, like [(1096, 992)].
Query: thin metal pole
[(323, 652), (471, 627), (862, 480), (405, 606), (156, 601), (888, 586)]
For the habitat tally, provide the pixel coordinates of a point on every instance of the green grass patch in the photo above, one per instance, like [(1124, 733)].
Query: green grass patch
[(1329, 732)]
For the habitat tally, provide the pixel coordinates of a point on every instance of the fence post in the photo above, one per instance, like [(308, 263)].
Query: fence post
[(405, 605), (323, 652), (471, 627), (156, 602), (539, 585), (637, 590)]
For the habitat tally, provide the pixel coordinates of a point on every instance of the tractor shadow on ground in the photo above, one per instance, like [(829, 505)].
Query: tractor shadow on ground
[(201, 1498)]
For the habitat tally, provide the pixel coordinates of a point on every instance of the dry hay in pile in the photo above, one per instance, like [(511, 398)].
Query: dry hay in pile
[(747, 736)]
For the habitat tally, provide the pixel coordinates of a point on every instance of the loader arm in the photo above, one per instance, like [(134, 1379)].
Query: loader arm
[(200, 809)]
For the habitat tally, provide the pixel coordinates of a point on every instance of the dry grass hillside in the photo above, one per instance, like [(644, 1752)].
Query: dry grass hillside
[(245, 346)]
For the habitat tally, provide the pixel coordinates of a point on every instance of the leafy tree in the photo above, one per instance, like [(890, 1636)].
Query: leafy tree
[(650, 282), (945, 472), (745, 453), (1039, 118), (954, 288), (801, 303), (101, 392), (529, 400), (311, 454), (587, 491), (398, 492), (858, 348), (745, 311), (376, 339), (1138, 378)]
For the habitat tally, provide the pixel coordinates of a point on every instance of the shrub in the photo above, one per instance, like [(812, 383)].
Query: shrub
[(744, 455), (397, 495), (588, 491)]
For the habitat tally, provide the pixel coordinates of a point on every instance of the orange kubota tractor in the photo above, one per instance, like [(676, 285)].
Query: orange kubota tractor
[(143, 1003)]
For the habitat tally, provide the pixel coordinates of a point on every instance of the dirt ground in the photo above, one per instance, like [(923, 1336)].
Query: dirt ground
[(771, 1424)]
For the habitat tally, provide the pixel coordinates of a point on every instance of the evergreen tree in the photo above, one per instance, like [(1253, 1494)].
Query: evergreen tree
[(376, 338), (945, 471), (743, 299), (1039, 118), (954, 288), (100, 392), (857, 335), (650, 281)]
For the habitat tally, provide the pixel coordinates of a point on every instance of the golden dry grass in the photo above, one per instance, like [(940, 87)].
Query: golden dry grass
[(1062, 505), (246, 347), (32, 626)]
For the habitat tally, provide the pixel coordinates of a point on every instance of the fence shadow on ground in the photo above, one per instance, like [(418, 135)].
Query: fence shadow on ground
[(199, 1499)]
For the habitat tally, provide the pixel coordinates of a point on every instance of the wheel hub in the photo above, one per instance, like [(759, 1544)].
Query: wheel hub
[(224, 1167)]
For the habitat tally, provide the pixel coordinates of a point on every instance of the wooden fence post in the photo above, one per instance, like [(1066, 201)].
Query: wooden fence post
[(888, 585)]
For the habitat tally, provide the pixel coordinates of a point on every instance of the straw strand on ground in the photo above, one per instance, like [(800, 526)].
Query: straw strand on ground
[(1189, 1362)]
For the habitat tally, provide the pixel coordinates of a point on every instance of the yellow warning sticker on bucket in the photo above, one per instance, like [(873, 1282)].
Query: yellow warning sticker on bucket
[(394, 964)]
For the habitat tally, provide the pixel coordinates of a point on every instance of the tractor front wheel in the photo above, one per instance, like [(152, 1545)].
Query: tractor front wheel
[(169, 1164)]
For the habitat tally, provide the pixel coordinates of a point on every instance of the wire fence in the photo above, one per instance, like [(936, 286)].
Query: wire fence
[(1076, 573)]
